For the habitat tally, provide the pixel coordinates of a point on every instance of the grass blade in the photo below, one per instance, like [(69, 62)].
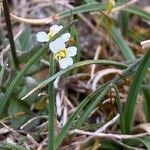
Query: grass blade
[(125, 50), (138, 11), (86, 8), (103, 6), (76, 65), (133, 92), (1, 75), (138, 141), (146, 93), (13, 146), (91, 106), (123, 19), (94, 102)]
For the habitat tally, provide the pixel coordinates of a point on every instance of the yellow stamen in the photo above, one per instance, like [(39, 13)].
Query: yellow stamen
[(49, 35), (60, 54)]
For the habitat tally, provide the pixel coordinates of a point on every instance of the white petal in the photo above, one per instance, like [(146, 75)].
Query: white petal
[(42, 37), (65, 62), (65, 37), (55, 28), (71, 51), (56, 45)]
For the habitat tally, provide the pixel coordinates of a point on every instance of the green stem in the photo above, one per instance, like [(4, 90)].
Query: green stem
[(51, 107), (10, 33)]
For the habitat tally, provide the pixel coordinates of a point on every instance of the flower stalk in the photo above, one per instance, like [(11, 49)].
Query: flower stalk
[(10, 33), (63, 55), (51, 107)]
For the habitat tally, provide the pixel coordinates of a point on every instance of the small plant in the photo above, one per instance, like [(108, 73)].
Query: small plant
[(81, 85)]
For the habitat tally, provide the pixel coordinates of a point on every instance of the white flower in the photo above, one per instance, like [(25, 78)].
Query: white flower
[(61, 53), (65, 37), (45, 37)]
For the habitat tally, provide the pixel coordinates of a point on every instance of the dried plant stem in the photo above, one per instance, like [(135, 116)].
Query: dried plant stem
[(51, 107), (145, 44), (98, 50), (10, 129), (109, 135), (31, 120), (10, 33), (109, 123), (103, 128)]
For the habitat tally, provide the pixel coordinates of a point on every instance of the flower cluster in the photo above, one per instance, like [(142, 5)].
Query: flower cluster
[(58, 47)]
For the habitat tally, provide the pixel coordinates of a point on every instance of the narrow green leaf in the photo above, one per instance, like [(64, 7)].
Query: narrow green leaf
[(91, 106), (123, 19), (146, 141), (123, 22), (110, 145), (138, 141), (146, 93), (95, 101), (13, 146), (76, 65), (138, 11), (84, 8), (1, 75), (103, 6), (133, 92), (125, 50)]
